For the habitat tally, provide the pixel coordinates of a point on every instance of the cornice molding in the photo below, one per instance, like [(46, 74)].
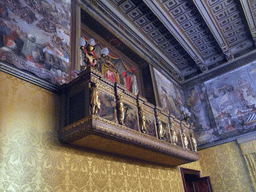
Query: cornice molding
[(11, 70)]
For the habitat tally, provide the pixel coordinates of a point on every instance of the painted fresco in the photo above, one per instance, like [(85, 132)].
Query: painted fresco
[(35, 37), (131, 117), (201, 116), (107, 106), (115, 69), (171, 97), (232, 98)]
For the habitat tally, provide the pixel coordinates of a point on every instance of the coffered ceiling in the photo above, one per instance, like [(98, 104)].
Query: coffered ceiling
[(189, 37)]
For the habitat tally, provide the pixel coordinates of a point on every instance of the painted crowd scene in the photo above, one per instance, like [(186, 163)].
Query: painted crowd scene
[(35, 37), (232, 98), (221, 108)]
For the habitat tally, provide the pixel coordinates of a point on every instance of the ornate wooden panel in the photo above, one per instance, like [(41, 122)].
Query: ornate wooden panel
[(104, 116)]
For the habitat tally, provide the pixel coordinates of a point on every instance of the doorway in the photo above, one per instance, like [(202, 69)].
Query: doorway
[(193, 182)]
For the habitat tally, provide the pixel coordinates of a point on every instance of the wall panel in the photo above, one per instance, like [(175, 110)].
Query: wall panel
[(32, 159), (226, 168)]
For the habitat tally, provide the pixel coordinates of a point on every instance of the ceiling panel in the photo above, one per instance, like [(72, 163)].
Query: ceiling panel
[(197, 36)]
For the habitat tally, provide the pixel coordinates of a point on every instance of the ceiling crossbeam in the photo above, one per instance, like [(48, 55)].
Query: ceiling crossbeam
[(169, 22), (249, 8), (214, 27)]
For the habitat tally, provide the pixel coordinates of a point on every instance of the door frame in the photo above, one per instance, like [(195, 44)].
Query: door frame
[(184, 171)]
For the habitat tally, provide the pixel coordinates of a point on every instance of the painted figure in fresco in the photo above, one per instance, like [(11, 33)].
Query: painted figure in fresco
[(247, 93), (95, 102), (14, 40), (185, 115), (29, 45), (4, 31), (129, 79), (196, 106), (167, 101), (225, 107)]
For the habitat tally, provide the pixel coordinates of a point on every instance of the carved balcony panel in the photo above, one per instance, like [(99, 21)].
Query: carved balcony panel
[(163, 125), (128, 115), (104, 116)]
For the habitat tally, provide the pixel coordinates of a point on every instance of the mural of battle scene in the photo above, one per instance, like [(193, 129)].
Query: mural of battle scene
[(229, 100), (232, 98), (171, 97), (131, 117), (35, 36), (107, 106), (114, 68)]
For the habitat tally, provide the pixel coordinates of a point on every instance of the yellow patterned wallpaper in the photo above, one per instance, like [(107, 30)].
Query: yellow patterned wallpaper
[(248, 147), (31, 158), (226, 168), (249, 153)]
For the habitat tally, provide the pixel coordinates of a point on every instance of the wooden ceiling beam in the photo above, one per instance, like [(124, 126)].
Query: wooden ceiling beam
[(169, 22), (214, 27), (249, 11)]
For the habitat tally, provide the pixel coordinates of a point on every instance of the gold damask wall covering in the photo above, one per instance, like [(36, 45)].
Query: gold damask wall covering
[(31, 158), (249, 153), (226, 168)]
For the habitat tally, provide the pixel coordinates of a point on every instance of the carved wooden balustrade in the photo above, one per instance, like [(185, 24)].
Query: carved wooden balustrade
[(98, 114)]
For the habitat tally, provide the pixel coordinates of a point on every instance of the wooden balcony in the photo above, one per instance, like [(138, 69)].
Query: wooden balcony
[(141, 131)]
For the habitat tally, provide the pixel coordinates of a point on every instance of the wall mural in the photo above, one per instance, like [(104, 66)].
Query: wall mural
[(201, 116), (35, 36), (171, 97), (232, 98), (224, 107)]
